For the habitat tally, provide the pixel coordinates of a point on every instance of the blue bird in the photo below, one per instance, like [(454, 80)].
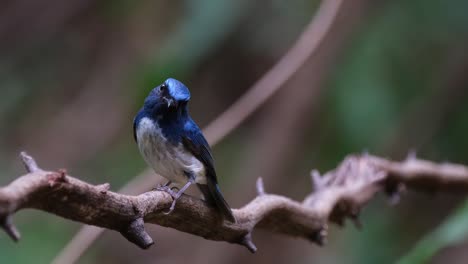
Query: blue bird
[(174, 146)]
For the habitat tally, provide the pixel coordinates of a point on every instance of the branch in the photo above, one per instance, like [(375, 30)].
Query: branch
[(337, 195), (303, 49)]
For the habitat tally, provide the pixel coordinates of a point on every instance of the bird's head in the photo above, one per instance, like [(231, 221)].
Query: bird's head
[(169, 95)]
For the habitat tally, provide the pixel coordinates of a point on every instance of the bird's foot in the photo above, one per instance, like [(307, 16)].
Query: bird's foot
[(163, 185), (167, 189), (172, 205), (175, 195)]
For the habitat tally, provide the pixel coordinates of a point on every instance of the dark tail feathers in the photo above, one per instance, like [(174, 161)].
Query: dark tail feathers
[(214, 197)]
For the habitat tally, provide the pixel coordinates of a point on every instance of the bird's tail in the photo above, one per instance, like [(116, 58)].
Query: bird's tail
[(214, 197)]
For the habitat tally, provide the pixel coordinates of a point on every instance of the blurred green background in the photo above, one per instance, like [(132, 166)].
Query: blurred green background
[(392, 77)]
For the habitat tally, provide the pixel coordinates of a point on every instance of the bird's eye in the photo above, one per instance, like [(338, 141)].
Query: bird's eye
[(162, 87)]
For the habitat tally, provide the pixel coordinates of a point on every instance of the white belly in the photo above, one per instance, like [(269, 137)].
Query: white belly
[(167, 160)]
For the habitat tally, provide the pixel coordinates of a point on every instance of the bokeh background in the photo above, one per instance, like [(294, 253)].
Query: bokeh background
[(392, 76)]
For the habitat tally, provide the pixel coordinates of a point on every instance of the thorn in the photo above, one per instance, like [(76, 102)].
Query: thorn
[(260, 187), (247, 242), (320, 237), (411, 155), (62, 175), (365, 153), (28, 162), (394, 195), (6, 224), (135, 232), (316, 180), (103, 188)]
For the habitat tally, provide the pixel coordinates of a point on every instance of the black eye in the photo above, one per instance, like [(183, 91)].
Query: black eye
[(162, 87)]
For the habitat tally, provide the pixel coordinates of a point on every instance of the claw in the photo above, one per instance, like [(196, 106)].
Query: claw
[(175, 195), (163, 185), (171, 208), (166, 189)]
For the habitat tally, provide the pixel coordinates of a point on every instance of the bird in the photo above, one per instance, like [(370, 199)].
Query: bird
[(174, 146)]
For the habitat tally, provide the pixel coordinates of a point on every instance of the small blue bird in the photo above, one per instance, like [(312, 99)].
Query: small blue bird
[(174, 146)]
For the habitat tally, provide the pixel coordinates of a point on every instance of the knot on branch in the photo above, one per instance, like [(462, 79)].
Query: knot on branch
[(103, 188), (57, 177), (247, 242), (6, 223), (320, 236), (135, 232)]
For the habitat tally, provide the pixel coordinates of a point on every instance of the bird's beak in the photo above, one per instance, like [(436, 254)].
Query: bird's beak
[(170, 102)]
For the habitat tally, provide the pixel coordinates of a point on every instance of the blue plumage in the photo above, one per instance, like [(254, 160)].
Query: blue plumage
[(174, 146)]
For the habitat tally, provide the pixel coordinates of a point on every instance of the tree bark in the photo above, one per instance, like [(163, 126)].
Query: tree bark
[(337, 195)]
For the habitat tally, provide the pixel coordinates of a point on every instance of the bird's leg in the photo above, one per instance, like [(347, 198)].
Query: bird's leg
[(177, 195), (167, 183)]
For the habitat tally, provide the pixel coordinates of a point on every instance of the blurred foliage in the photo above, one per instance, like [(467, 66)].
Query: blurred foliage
[(96, 60), (453, 230), (188, 44)]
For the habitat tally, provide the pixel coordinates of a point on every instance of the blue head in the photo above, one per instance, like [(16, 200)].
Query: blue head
[(170, 96)]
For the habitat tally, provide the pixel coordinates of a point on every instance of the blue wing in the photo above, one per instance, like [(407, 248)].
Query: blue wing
[(194, 141)]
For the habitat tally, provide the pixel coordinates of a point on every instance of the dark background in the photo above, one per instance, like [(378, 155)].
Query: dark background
[(394, 78)]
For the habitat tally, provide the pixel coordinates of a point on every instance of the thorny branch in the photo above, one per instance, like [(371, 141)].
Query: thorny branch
[(337, 195)]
